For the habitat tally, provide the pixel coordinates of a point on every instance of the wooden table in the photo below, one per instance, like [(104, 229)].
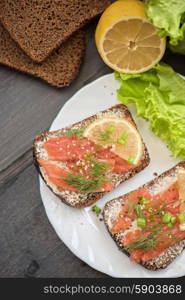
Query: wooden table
[(29, 247)]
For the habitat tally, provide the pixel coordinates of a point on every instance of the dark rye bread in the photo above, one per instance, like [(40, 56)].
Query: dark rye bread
[(76, 199), (41, 26), (113, 208), (59, 70)]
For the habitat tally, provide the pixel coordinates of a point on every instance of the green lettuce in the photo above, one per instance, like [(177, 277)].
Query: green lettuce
[(159, 96), (169, 16)]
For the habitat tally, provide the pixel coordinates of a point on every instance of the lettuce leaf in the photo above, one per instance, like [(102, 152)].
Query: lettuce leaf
[(159, 96), (169, 16)]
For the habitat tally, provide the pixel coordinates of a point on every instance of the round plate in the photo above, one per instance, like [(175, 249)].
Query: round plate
[(80, 229)]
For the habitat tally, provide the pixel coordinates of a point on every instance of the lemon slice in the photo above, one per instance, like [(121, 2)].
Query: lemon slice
[(126, 40), (120, 134), (181, 182)]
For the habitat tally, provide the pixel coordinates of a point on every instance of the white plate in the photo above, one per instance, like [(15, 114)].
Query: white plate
[(83, 233)]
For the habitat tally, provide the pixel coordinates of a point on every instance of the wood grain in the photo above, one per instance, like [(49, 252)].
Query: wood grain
[(29, 246)]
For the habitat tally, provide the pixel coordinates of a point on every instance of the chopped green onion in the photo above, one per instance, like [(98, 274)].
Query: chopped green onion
[(122, 139), (111, 129), (144, 201), (173, 220), (96, 209), (105, 135), (181, 217), (138, 210), (130, 161), (141, 222), (177, 186), (166, 218), (170, 225)]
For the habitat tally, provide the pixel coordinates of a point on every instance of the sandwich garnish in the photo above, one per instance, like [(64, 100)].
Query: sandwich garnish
[(83, 158), (83, 184), (96, 209), (75, 132), (119, 134)]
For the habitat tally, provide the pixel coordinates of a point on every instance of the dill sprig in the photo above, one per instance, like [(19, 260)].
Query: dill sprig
[(99, 168), (146, 243), (76, 131), (84, 184), (105, 136)]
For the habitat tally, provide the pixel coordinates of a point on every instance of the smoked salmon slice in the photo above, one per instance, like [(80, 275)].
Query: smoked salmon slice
[(66, 148)]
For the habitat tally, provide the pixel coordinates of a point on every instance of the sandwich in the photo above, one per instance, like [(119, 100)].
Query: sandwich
[(82, 162), (148, 224)]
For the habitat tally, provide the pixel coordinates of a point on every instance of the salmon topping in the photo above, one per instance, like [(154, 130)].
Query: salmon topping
[(75, 163), (157, 218)]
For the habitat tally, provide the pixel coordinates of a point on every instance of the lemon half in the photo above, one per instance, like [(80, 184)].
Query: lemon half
[(126, 40)]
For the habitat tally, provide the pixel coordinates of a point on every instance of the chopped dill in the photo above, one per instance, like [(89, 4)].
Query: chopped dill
[(83, 184), (76, 131), (145, 243), (105, 136), (98, 167)]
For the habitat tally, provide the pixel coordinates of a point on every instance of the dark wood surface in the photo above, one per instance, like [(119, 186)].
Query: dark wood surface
[(29, 246)]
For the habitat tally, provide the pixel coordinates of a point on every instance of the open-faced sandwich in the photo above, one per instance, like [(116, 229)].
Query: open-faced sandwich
[(82, 162), (148, 224)]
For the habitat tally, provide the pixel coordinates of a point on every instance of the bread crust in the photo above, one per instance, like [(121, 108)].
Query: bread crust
[(42, 26), (91, 197), (166, 257), (59, 70)]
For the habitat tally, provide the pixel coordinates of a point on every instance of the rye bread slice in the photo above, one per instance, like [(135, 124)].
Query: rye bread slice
[(76, 199), (41, 26), (113, 208), (59, 70)]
